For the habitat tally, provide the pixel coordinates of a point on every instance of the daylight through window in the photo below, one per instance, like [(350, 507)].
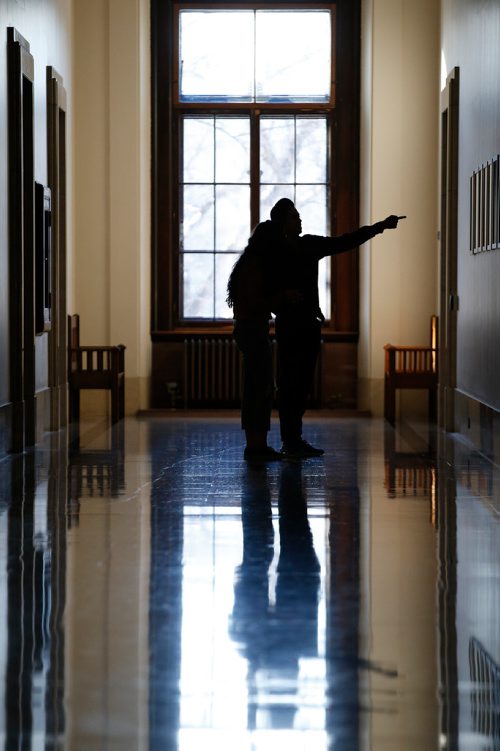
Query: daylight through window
[(254, 104)]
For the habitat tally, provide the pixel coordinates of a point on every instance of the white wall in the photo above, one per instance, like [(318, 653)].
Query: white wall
[(111, 202), (399, 171), (399, 175)]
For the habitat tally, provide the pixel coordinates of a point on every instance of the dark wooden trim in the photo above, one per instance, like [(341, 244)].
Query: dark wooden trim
[(28, 221), (20, 95), (344, 162), (5, 431), (222, 108), (241, 4), (162, 219), (56, 170), (345, 268), (15, 238), (254, 167), (226, 332), (448, 249)]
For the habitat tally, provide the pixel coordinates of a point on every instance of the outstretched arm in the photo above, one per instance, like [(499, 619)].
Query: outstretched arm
[(362, 235), (331, 246)]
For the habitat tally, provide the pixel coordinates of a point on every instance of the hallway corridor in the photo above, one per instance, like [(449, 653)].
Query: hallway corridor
[(157, 592)]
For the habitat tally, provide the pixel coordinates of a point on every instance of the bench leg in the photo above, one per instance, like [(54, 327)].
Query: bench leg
[(115, 403), (432, 405), (122, 398), (389, 402), (74, 405), (118, 400)]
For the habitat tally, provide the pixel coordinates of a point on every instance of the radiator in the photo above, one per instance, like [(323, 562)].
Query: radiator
[(213, 373)]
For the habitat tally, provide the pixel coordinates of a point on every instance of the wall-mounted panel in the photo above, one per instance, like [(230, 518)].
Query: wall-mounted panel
[(484, 191), (470, 41)]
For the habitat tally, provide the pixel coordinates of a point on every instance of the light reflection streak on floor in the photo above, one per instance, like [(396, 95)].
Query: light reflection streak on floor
[(157, 592)]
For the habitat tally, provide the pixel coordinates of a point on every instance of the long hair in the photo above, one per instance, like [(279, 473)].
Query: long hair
[(263, 236)]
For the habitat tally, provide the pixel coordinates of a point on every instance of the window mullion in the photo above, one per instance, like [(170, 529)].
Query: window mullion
[(295, 158), (214, 187), (254, 167), (253, 112)]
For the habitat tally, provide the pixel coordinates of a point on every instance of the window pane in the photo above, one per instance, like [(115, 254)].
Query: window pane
[(277, 150), (311, 147), (198, 285), (231, 55), (313, 207), (311, 202), (324, 272), (293, 55), (216, 55), (198, 217), (198, 153), (232, 145), (224, 262), (232, 216)]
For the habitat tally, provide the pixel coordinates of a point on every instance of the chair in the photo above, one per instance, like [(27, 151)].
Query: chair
[(411, 368), (94, 368)]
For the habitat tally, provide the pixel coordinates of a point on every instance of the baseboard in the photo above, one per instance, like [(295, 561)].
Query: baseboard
[(43, 404), (479, 424), (370, 395), (5, 428), (225, 414)]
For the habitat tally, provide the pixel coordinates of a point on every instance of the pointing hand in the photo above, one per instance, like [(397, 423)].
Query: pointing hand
[(391, 222)]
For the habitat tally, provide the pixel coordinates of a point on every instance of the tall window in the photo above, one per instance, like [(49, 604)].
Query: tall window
[(253, 105)]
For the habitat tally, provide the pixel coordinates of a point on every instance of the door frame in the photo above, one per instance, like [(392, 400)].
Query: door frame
[(449, 302)]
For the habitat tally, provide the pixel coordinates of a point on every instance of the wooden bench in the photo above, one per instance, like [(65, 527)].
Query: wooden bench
[(94, 368), (411, 368)]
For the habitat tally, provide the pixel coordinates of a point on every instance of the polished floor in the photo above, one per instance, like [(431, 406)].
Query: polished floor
[(157, 592)]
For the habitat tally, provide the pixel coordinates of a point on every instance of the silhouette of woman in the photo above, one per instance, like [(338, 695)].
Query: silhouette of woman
[(248, 295)]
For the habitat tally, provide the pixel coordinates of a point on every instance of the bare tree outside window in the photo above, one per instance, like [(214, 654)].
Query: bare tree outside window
[(233, 57)]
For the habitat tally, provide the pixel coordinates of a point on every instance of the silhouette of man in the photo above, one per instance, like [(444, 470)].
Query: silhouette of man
[(294, 290)]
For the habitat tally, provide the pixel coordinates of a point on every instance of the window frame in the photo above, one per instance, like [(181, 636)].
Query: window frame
[(166, 321), (255, 184), (245, 5)]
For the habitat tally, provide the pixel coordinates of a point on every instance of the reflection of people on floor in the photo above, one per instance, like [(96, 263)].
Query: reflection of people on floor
[(273, 636)]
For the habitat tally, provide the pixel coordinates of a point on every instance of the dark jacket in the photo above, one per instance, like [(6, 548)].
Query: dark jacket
[(295, 267)]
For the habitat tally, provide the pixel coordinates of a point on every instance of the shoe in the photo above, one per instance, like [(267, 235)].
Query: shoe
[(300, 450), (266, 454)]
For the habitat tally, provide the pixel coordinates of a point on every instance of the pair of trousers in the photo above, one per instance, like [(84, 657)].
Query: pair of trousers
[(252, 338), (298, 349)]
